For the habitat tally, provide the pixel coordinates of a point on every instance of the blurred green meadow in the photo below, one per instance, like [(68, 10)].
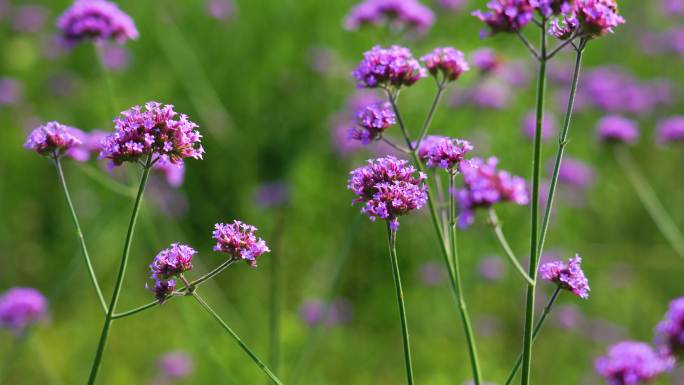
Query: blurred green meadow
[(264, 84)]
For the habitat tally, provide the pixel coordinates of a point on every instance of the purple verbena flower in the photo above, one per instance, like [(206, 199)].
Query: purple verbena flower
[(372, 121), (631, 363), (115, 57), (447, 61), (568, 317), (315, 311), (388, 67), (11, 91), (505, 16), (552, 7), (486, 60), (448, 153), (670, 331), (52, 139), (220, 9), (96, 20), (426, 145), (175, 365), (569, 276), (492, 268), (397, 13), (388, 188), (237, 239), (597, 17), (173, 261), (670, 130), (21, 307), (162, 289), (575, 173), (155, 130), (529, 126), (617, 129), (174, 173), (564, 27), (432, 273)]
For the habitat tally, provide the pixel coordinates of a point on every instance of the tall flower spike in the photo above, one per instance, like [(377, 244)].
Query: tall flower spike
[(237, 239), (448, 153), (173, 261), (631, 363), (448, 61), (617, 129), (155, 130), (670, 331), (388, 67), (397, 13), (505, 16), (373, 120), (52, 139), (388, 188), (21, 307), (96, 20), (568, 276)]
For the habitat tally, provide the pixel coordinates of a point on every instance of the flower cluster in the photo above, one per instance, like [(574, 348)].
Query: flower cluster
[(426, 144), (447, 61), (552, 7), (589, 18), (569, 276), (670, 331), (162, 289), (175, 365), (485, 186), (617, 129), (237, 239), (96, 20), (564, 28), (173, 261), (385, 67), (155, 130), (373, 120), (486, 60), (670, 130), (52, 139), (505, 16), (448, 153), (399, 13), (388, 188), (631, 363), (20, 307)]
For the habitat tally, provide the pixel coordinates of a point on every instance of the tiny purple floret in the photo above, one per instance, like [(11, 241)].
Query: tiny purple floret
[(569, 276)]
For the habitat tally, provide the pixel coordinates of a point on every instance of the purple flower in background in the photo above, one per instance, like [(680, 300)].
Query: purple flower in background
[(237, 239), (670, 331), (485, 186), (115, 57), (552, 7), (52, 139), (80, 152), (670, 130), (569, 276), (515, 73), (575, 173), (597, 17), (505, 16), (486, 60), (157, 130), (529, 126), (315, 311), (221, 9), (173, 261), (448, 153), (673, 7), (447, 61), (373, 120), (398, 13), (388, 67), (568, 317), (631, 363), (431, 273), (617, 129), (162, 289), (388, 188), (452, 5), (492, 268), (29, 18), (612, 89), (175, 365), (173, 173), (491, 94), (10, 91), (272, 194), (21, 307), (96, 20)]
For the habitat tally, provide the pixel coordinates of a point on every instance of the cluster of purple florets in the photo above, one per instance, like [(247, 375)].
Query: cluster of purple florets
[(372, 121), (617, 129), (447, 61), (172, 262), (21, 307), (398, 13), (569, 276), (670, 130), (670, 331), (597, 17), (389, 188), (388, 67), (632, 363), (447, 153), (155, 130), (505, 16), (52, 139), (237, 239), (96, 20)]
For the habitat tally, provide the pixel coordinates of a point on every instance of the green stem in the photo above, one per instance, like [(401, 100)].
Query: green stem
[(79, 234), (534, 213), (120, 276), (230, 331), (496, 225), (441, 86), (537, 329), (650, 200), (392, 240)]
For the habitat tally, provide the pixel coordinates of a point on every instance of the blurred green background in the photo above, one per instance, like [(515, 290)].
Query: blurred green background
[(263, 85)]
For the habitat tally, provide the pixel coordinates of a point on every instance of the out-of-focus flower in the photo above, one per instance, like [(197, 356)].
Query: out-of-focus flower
[(11, 91), (431, 273), (552, 7), (673, 7), (452, 5), (631, 363), (29, 18), (221, 9), (96, 20), (21, 307), (399, 14), (491, 94), (568, 317), (670, 130), (514, 72), (492, 268), (237, 239), (569, 276), (115, 57), (448, 61), (388, 67), (486, 60), (505, 16), (372, 121), (162, 289), (175, 365), (52, 139), (174, 173), (315, 311), (272, 194), (670, 331), (617, 129), (388, 188), (574, 172), (485, 186), (529, 126), (448, 153), (173, 261)]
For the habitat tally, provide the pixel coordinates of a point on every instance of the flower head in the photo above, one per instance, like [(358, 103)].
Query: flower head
[(670, 130), (52, 139), (11, 91), (575, 173), (447, 61), (564, 27), (173, 261), (162, 289), (617, 129), (238, 240), (388, 67), (155, 130), (569, 276), (631, 363), (670, 331), (96, 20), (597, 17), (21, 307), (398, 13), (552, 7), (505, 16), (448, 153), (174, 173), (373, 120), (486, 60), (388, 188), (175, 365), (426, 144)]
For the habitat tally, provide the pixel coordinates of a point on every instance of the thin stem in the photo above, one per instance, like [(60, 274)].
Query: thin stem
[(650, 200), (529, 45), (392, 240), (570, 40), (534, 213), (79, 234), (120, 276), (537, 329), (237, 339), (562, 142), (396, 146), (441, 86), (496, 225), (392, 97)]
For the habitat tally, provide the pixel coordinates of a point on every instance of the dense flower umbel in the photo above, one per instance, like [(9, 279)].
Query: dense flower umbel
[(505, 16), (448, 153), (388, 188), (162, 289), (398, 13), (597, 17), (155, 130), (373, 120), (20, 307), (670, 331), (386, 67), (631, 363), (447, 61), (52, 139), (238, 240), (485, 186), (670, 130), (96, 20), (617, 129), (569, 276), (172, 261)]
